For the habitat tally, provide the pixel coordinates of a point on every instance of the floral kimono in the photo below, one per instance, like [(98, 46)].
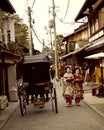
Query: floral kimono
[(68, 94), (78, 78), (78, 92), (78, 88)]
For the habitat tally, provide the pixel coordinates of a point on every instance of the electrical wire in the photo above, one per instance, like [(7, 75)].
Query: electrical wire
[(61, 20), (33, 4), (34, 31), (84, 20), (66, 10)]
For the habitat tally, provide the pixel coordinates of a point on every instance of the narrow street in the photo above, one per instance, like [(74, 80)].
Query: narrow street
[(73, 118)]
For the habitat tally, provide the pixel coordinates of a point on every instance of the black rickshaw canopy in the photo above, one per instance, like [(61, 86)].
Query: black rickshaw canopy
[(36, 59), (36, 68)]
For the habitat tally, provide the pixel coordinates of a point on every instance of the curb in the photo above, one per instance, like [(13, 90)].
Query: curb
[(10, 112), (94, 108)]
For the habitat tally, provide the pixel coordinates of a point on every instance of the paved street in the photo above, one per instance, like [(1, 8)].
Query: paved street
[(73, 118)]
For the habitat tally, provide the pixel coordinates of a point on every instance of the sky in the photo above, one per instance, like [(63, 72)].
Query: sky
[(40, 13)]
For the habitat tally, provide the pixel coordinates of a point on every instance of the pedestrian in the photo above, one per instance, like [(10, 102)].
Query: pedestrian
[(78, 93), (87, 75), (78, 87), (68, 93), (52, 71), (68, 74), (78, 76)]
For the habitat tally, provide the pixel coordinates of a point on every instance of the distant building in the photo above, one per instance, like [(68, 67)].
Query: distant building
[(75, 44)]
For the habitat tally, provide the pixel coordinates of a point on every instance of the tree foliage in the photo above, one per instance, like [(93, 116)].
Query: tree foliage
[(60, 48), (21, 37), (60, 45)]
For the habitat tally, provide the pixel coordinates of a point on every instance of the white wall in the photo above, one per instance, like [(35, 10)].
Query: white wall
[(9, 25)]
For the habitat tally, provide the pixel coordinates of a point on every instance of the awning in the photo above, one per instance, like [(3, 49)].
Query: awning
[(95, 56), (96, 44), (69, 54), (75, 52), (81, 49)]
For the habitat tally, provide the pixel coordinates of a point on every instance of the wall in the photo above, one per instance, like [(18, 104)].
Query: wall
[(9, 25), (12, 76), (1, 38)]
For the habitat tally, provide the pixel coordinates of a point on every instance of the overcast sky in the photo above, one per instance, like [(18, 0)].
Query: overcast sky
[(40, 13)]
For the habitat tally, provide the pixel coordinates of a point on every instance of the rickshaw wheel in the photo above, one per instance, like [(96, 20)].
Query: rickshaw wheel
[(51, 95), (55, 101), (22, 103)]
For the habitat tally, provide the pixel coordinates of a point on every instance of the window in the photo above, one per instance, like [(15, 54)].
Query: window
[(71, 47), (91, 27), (94, 23), (96, 26), (8, 35), (101, 18)]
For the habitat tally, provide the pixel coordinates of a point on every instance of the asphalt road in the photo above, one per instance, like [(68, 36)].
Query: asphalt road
[(68, 118)]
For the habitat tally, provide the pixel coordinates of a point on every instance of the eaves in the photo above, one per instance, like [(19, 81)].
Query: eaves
[(95, 44), (6, 6), (75, 52), (95, 4)]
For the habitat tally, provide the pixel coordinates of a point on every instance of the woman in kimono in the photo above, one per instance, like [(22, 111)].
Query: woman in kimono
[(68, 93), (68, 75), (78, 88)]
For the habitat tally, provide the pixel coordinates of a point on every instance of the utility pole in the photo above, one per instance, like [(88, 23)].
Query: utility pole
[(29, 29), (51, 39), (56, 57), (50, 26), (43, 45)]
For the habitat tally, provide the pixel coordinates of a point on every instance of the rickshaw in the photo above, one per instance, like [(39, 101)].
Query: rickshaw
[(37, 86)]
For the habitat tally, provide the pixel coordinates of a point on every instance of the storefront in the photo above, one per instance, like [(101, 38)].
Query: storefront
[(8, 62)]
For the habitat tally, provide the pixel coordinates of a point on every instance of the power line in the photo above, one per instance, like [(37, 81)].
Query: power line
[(34, 31), (33, 4), (69, 22), (66, 10), (72, 22), (61, 20)]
